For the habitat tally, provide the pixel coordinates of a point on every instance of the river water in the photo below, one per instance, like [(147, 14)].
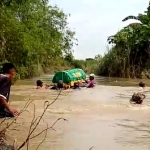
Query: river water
[(98, 118)]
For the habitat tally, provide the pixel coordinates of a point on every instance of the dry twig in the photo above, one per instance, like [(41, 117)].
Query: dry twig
[(91, 148), (35, 122)]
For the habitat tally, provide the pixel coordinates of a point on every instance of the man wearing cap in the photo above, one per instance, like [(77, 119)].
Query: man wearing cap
[(91, 82)]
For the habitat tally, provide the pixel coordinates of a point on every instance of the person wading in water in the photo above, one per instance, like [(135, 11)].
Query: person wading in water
[(8, 73)]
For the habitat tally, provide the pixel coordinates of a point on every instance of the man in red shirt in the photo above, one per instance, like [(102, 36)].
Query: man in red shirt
[(91, 82)]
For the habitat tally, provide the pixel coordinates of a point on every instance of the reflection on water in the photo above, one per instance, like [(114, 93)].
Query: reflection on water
[(101, 117)]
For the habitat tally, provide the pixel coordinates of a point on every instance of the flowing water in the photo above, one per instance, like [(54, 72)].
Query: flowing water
[(98, 118)]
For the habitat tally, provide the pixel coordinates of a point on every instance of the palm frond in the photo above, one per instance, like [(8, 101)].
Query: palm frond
[(130, 17)]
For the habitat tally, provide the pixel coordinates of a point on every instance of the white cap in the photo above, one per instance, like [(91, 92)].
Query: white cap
[(92, 75)]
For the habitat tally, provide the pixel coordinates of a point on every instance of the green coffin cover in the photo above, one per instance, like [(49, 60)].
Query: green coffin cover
[(68, 76)]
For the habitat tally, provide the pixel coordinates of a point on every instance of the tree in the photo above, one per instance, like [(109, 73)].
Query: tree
[(130, 50), (33, 35)]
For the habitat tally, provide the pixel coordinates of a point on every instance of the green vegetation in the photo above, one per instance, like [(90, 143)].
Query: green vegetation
[(130, 53), (34, 36), (89, 65)]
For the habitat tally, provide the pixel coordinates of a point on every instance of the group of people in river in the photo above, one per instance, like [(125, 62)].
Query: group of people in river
[(88, 83), (8, 73)]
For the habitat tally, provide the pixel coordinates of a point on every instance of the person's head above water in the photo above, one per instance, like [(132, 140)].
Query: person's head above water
[(39, 83), (91, 76), (142, 84), (60, 84), (9, 69), (60, 81)]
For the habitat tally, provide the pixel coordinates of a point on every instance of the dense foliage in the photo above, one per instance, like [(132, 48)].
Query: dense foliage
[(33, 35), (130, 52), (89, 65)]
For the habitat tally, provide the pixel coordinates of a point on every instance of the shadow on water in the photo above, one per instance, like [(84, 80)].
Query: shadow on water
[(101, 117)]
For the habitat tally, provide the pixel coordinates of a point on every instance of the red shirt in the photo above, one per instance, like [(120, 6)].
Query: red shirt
[(91, 83)]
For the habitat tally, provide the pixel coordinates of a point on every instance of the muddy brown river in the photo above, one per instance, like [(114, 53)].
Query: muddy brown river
[(98, 118)]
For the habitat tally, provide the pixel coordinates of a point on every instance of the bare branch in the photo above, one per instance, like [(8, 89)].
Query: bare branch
[(46, 106), (91, 148), (34, 123), (43, 139), (51, 127)]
